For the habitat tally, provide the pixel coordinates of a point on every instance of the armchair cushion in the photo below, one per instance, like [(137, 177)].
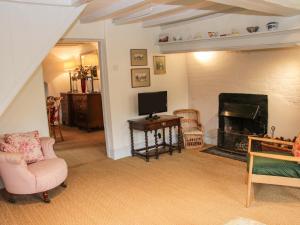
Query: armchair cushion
[(275, 167), (27, 143), (48, 173)]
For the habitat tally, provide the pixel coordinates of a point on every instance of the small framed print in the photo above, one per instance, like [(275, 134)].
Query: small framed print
[(138, 57), (159, 64), (140, 77)]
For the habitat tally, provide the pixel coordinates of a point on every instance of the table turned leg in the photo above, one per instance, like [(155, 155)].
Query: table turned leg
[(170, 141), (156, 145), (179, 139), (146, 146), (164, 137), (132, 142)]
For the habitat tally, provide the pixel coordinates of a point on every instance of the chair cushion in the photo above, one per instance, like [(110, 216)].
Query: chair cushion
[(275, 167), (49, 173), (27, 143), (193, 131)]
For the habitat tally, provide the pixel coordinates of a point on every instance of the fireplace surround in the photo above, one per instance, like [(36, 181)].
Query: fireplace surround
[(241, 115)]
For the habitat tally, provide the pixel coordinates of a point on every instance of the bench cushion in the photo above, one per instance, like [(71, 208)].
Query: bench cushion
[(275, 167)]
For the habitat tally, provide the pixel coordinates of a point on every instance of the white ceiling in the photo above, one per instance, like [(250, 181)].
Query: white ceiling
[(162, 12)]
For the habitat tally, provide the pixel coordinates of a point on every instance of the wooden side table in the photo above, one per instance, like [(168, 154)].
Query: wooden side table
[(164, 122)]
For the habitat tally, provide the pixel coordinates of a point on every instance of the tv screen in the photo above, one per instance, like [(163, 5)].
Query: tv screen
[(152, 102)]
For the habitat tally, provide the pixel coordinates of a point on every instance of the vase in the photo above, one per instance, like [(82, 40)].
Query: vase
[(83, 85)]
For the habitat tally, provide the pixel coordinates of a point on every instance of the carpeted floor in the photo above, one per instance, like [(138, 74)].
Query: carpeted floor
[(191, 188)]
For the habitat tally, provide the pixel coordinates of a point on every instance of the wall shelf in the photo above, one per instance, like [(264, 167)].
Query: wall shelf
[(251, 41)]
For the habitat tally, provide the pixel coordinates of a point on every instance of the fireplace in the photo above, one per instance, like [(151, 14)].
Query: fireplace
[(241, 115)]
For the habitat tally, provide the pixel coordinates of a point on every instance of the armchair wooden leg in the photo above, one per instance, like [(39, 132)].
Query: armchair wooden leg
[(46, 197), (63, 184)]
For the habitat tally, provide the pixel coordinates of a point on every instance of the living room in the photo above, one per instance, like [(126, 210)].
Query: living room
[(191, 186)]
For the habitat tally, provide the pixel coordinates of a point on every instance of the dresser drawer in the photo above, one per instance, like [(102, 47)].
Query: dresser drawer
[(80, 103)]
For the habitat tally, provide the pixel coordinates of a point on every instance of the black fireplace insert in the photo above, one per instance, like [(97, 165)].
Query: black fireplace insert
[(241, 115)]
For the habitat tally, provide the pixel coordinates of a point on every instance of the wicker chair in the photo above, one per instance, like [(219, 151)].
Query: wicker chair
[(192, 130)]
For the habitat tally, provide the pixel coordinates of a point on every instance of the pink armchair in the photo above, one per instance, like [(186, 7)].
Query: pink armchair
[(39, 177)]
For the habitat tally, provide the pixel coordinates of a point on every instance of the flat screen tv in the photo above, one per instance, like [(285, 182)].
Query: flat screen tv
[(151, 103)]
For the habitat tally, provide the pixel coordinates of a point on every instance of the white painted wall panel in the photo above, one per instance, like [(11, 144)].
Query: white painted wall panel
[(28, 32), (272, 72)]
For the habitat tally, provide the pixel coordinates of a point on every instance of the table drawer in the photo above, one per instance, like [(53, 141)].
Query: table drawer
[(163, 124)]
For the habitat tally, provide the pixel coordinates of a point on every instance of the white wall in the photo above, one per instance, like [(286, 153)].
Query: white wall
[(89, 31), (28, 33), (118, 40), (28, 111), (272, 72), (123, 98)]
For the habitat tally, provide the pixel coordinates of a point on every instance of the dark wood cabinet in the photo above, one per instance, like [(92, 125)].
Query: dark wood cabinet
[(82, 110), (67, 109)]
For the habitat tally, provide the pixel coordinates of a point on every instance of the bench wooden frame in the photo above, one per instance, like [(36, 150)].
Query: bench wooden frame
[(265, 179)]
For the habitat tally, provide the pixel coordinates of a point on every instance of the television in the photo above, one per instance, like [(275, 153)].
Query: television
[(150, 103)]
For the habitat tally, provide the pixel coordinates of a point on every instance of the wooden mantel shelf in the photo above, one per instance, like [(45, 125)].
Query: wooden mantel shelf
[(259, 40)]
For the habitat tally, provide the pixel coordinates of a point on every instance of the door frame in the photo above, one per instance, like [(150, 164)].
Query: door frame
[(102, 58)]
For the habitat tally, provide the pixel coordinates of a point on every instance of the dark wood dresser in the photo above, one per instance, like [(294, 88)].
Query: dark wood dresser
[(82, 110)]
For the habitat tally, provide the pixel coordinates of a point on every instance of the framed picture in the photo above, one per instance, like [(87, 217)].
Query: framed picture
[(159, 64), (140, 77), (138, 57)]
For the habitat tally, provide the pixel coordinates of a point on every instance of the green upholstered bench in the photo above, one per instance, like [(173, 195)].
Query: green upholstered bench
[(271, 168), (275, 167)]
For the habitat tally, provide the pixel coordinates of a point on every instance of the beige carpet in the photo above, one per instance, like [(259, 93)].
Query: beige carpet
[(191, 188)]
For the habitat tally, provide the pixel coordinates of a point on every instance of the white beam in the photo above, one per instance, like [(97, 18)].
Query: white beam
[(146, 13), (79, 2), (185, 15), (166, 10), (293, 4), (43, 2), (96, 10), (277, 7)]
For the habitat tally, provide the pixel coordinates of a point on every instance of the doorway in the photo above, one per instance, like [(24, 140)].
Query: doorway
[(72, 76)]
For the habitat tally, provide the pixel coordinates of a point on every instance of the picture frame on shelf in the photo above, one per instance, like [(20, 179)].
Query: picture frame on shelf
[(138, 57), (140, 77), (159, 65)]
